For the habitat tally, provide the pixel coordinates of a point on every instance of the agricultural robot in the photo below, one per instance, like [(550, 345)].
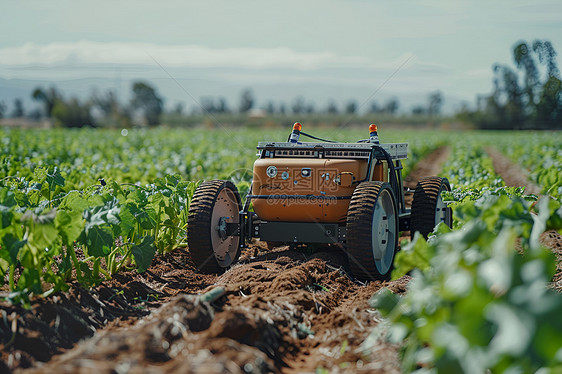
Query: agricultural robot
[(324, 192)]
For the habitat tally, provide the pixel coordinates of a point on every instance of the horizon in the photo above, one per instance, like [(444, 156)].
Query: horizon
[(324, 51)]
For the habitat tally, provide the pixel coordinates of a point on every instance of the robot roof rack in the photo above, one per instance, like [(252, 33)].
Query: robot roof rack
[(397, 151)]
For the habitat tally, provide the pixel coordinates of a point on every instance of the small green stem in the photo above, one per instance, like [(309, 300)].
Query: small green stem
[(104, 272), (76, 263), (134, 185), (96, 269), (125, 258), (110, 261), (12, 273)]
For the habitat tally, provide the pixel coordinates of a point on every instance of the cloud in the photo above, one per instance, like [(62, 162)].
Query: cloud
[(88, 52)]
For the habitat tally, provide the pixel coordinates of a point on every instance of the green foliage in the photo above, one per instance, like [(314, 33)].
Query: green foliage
[(470, 168), (541, 155), (48, 97), (45, 238), (92, 202), (146, 99), (476, 303), (536, 102), (72, 113), (144, 253)]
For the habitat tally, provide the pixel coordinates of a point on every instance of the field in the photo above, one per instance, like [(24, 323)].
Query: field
[(97, 275)]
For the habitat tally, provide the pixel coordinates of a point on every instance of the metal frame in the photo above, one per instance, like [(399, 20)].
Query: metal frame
[(312, 232)]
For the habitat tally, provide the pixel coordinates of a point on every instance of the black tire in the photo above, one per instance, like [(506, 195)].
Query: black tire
[(212, 200), (372, 231), (428, 208)]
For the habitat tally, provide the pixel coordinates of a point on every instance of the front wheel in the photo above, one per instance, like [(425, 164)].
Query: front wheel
[(212, 237), (428, 207), (372, 231)]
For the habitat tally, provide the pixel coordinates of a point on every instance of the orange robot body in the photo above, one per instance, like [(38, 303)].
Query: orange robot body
[(316, 190), (324, 192)]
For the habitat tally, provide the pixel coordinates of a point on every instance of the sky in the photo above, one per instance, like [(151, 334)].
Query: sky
[(324, 50)]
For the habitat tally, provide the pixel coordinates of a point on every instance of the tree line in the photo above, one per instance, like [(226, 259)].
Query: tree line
[(104, 109), (147, 107), (524, 97), (528, 95)]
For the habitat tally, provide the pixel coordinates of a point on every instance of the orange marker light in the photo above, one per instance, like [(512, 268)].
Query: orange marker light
[(294, 137), (373, 136)]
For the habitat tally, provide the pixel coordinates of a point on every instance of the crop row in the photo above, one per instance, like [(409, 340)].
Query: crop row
[(92, 202), (85, 204), (140, 156), (474, 302), (540, 154), (48, 238)]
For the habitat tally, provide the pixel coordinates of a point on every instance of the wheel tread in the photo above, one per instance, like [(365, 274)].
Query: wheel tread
[(198, 224), (424, 202), (359, 228)]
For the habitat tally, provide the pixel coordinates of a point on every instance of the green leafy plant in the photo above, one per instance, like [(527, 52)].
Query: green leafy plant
[(476, 303)]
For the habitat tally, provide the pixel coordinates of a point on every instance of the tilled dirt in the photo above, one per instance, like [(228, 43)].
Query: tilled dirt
[(282, 311), (431, 165), (279, 310), (512, 174), (553, 240)]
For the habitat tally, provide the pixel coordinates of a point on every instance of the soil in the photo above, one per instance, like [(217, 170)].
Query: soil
[(281, 310), (278, 310), (512, 175), (431, 165)]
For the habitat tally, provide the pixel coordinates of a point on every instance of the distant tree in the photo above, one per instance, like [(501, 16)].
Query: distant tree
[(208, 105), (392, 106), (298, 106), (146, 99), (270, 107), (549, 105), (310, 109), (547, 56), (246, 100), (351, 107), (509, 100), (435, 101), (35, 115), (536, 102), (178, 108), (72, 113), (375, 108), (18, 111), (115, 114), (107, 103), (282, 109), (419, 110), (2, 109), (222, 106), (332, 108), (48, 97), (522, 55)]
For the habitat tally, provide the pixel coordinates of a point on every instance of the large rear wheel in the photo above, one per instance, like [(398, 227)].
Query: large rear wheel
[(428, 207), (372, 231), (212, 235)]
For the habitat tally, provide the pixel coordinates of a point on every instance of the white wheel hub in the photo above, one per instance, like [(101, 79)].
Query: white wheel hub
[(383, 232), (442, 214), (225, 211)]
